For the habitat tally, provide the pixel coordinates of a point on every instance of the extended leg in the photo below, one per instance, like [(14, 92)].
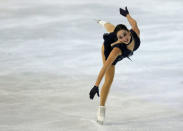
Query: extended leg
[(109, 75), (107, 25)]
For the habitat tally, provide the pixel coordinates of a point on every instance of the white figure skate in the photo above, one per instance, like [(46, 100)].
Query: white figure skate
[(101, 114), (101, 22)]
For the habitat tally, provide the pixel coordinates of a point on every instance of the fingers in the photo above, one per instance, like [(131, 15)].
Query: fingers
[(120, 9), (124, 12), (126, 9), (123, 9), (98, 93), (93, 91), (91, 96)]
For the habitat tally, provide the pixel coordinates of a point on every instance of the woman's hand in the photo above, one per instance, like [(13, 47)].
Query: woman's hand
[(123, 12), (116, 42), (93, 91)]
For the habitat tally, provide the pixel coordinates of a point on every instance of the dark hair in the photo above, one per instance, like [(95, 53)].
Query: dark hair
[(120, 27)]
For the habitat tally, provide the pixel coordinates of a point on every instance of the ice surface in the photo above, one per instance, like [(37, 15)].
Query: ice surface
[(50, 54)]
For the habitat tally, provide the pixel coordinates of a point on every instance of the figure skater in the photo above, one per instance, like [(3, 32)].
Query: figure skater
[(119, 43)]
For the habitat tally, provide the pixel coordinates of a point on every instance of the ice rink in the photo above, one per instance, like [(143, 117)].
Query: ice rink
[(50, 56)]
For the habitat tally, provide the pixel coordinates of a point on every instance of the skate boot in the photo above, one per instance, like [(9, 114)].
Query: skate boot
[(101, 114), (101, 22)]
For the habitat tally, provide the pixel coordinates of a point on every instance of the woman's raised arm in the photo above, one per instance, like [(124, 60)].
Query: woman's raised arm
[(131, 21), (133, 24)]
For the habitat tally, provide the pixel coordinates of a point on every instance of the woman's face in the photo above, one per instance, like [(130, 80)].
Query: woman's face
[(124, 36)]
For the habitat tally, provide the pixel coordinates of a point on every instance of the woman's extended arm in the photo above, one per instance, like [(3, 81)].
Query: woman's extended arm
[(112, 56), (133, 24), (131, 21)]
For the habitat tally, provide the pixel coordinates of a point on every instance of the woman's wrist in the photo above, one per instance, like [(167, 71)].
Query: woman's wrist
[(128, 15), (96, 85)]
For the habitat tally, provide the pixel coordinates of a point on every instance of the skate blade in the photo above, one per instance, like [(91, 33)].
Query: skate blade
[(97, 20), (100, 122)]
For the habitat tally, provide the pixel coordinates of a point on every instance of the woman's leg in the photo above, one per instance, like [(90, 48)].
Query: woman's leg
[(107, 25), (109, 75)]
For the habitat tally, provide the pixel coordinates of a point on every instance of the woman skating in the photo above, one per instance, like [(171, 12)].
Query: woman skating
[(118, 44)]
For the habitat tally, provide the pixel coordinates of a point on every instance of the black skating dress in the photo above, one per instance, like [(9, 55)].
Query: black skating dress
[(110, 38)]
